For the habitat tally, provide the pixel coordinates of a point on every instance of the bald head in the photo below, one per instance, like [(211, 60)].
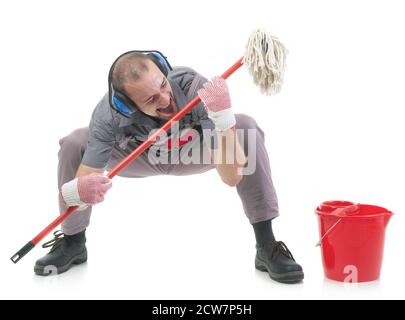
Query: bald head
[(128, 68)]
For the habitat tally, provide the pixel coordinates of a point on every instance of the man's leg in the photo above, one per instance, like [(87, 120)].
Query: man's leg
[(260, 204), (259, 200), (70, 249), (256, 188), (70, 156)]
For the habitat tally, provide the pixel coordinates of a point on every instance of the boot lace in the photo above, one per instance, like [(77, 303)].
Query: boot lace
[(281, 248), (56, 241)]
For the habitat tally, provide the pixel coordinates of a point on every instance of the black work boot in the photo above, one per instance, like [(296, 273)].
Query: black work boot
[(277, 260), (65, 252)]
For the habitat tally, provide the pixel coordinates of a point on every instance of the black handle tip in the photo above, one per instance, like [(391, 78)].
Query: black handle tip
[(23, 251)]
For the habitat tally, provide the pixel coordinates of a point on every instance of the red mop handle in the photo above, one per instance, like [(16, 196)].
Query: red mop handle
[(131, 157)]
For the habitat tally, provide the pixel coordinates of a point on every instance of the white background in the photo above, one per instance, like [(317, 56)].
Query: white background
[(334, 132)]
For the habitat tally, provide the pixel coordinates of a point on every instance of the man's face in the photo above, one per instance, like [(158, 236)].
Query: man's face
[(152, 93)]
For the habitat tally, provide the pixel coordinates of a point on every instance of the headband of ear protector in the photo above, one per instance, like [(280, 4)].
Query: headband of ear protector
[(118, 100)]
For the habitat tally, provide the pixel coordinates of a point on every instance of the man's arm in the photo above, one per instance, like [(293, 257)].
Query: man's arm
[(87, 188), (229, 158), (85, 170), (190, 82), (89, 185)]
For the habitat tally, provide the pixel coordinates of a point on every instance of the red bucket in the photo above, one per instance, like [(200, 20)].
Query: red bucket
[(352, 240)]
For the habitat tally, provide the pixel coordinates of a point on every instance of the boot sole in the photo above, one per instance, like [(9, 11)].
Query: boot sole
[(49, 270), (287, 277)]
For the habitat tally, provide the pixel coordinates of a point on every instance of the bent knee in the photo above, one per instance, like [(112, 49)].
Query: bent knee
[(247, 128), (243, 121), (74, 141)]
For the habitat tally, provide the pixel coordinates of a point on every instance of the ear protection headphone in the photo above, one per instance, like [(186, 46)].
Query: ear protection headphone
[(121, 102)]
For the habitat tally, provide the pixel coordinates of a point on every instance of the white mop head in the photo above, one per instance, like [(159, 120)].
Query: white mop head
[(265, 58)]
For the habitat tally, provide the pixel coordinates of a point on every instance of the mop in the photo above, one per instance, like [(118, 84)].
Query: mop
[(265, 58)]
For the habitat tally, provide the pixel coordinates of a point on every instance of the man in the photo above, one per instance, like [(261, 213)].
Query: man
[(156, 92)]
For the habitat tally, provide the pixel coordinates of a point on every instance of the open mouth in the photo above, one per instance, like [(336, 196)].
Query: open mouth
[(167, 112)]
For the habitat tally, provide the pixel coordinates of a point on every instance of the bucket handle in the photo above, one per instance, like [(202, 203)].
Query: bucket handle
[(327, 232)]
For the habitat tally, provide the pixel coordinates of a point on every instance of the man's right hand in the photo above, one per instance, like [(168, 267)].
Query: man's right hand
[(85, 190)]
